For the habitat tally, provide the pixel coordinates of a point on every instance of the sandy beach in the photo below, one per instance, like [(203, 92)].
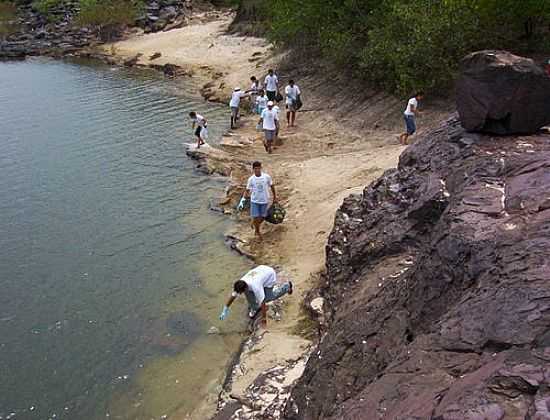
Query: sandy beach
[(338, 146)]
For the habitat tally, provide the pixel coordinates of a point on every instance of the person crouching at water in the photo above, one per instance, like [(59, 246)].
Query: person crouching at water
[(410, 117), (270, 124), (292, 91), (257, 190), (236, 97), (200, 131), (260, 287)]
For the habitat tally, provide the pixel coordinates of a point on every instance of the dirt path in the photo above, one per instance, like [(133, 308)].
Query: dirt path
[(319, 163)]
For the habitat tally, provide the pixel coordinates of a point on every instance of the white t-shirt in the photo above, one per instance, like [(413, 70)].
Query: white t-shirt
[(255, 87), (271, 82), (277, 110), (292, 93), (236, 99), (199, 120), (269, 116), (259, 188), (258, 278), (262, 101), (412, 103)]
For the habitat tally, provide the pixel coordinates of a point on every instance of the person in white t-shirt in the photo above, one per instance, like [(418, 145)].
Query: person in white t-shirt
[(271, 84), (261, 101), (292, 93), (260, 287), (258, 187), (201, 131), (234, 103), (270, 124), (254, 91), (410, 117)]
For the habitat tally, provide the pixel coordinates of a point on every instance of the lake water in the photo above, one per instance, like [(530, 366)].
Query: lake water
[(112, 268)]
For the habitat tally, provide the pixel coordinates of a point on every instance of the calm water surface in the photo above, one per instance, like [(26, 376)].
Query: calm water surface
[(112, 269)]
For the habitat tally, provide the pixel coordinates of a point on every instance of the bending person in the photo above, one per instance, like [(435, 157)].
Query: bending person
[(260, 287)]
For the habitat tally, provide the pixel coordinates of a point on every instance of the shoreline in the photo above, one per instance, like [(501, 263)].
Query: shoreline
[(315, 166)]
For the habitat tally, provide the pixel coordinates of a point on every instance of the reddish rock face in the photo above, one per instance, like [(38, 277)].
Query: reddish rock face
[(438, 283), (501, 93)]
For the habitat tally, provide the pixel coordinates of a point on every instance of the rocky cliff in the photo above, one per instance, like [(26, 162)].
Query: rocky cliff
[(438, 283), (438, 280)]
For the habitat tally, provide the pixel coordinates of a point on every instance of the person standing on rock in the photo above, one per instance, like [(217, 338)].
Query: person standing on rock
[(292, 92), (234, 103), (270, 124), (271, 84), (260, 287), (201, 131), (410, 117), (257, 191)]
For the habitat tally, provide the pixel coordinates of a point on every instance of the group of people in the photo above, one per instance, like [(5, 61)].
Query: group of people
[(260, 285), (264, 101)]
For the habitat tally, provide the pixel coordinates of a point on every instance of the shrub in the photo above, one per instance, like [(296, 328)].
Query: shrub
[(8, 16), (45, 7), (108, 16)]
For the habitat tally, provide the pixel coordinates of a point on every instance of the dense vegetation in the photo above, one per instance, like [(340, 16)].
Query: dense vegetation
[(401, 45)]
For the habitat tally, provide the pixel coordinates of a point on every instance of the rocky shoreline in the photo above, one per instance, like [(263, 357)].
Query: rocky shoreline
[(57, 35)]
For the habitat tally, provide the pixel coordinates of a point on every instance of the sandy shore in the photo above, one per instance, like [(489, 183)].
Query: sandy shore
[(320, 162)]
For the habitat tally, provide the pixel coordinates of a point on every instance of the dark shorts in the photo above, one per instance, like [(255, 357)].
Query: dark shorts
[(269, 135), (291, 107), (198, 131), (411, 124), (271, 95)]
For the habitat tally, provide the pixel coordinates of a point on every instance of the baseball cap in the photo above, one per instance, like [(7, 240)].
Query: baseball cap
[(270, 103)]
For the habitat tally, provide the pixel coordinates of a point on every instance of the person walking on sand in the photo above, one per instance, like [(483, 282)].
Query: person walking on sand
[(271, 84), (270, 124), (257, 190), (410, 117), (234, 103), (254, 91), (259, 286), (261, 101), (201, 131), (292, 92)]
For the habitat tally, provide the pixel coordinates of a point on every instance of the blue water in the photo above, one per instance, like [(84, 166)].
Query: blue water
[(104, 235)]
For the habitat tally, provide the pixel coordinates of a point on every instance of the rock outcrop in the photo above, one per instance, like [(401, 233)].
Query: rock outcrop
[(501, 93), (438, 284), (57, 35)]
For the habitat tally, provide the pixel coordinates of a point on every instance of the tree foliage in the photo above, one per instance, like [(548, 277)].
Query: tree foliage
[(405, 45)]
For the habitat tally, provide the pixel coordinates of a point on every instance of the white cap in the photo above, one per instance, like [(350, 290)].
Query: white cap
[(270, 103), (237, 88)]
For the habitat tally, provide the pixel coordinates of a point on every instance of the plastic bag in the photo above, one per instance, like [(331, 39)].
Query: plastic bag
[(275, 214)]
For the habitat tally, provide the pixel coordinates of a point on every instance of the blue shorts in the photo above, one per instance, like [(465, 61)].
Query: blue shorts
[(411, 124), (258, 210)]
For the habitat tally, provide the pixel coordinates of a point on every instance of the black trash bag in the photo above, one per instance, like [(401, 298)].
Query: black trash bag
[(275, 214), (278, 97), (298, 102)]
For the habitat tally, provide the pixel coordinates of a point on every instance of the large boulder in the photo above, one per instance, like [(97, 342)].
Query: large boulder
[(501, 93)]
